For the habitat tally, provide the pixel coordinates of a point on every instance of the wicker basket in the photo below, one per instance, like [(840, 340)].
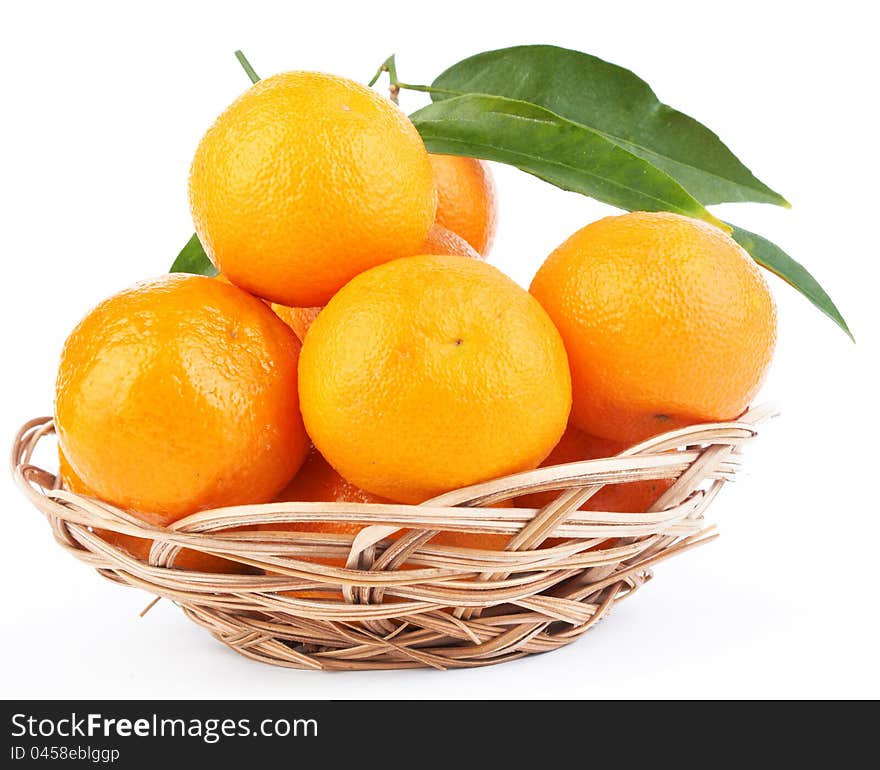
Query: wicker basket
[(405, 603)]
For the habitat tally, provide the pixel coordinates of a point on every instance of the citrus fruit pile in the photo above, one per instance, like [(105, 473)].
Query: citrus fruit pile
[(355, 345)]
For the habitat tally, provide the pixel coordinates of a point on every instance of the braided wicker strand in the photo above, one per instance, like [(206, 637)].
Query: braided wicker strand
[(407, 603)]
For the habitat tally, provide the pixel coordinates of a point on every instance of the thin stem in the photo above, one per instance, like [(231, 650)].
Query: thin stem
[(425, 89), (391, 68), (246, 66), (395, 86), (391, 64), (384, 67)]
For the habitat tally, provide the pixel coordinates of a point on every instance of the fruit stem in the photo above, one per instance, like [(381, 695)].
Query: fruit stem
[(395, 85), (384, 67), (246, 66), (425, 89), (391, 68)]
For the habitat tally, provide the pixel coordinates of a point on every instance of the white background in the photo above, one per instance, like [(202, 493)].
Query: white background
[(102, 107)]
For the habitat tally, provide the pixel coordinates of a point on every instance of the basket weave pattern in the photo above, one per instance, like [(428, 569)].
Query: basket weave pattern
[(406, 603)]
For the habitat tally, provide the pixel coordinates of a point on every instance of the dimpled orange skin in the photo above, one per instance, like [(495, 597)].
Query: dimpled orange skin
[(442, 241), (297, 318), (667, 322), (180, 394), (140, 547), (439, 241), (430, 373), (317, 481), (466, 199), (307, 180)]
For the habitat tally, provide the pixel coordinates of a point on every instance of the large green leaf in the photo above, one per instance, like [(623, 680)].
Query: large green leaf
[(617, 103), (192, 259), (567, 154), (770, 256)]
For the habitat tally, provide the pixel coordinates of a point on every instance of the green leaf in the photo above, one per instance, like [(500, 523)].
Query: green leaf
[(770, 256), (192, 259), (568, 155), (617, 103)]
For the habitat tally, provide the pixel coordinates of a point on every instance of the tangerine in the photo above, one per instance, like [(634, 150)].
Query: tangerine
[(431, 373), (180, 394), (666, 319), (139, 547), (466, 199), (306, 180)]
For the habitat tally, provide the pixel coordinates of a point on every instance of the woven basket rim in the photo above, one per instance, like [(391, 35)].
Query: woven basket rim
[(405, 602)]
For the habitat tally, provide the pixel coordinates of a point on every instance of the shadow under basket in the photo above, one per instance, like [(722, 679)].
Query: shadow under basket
[(401, 601)]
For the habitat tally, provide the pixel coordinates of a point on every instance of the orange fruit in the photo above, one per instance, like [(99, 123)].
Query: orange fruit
[(483, 541), (439, 241), (297, 318), (667, 322), (574, 446), (305, 181), (317, 481), (430, 373), (180, 394), (139, 547), (466, 199)]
